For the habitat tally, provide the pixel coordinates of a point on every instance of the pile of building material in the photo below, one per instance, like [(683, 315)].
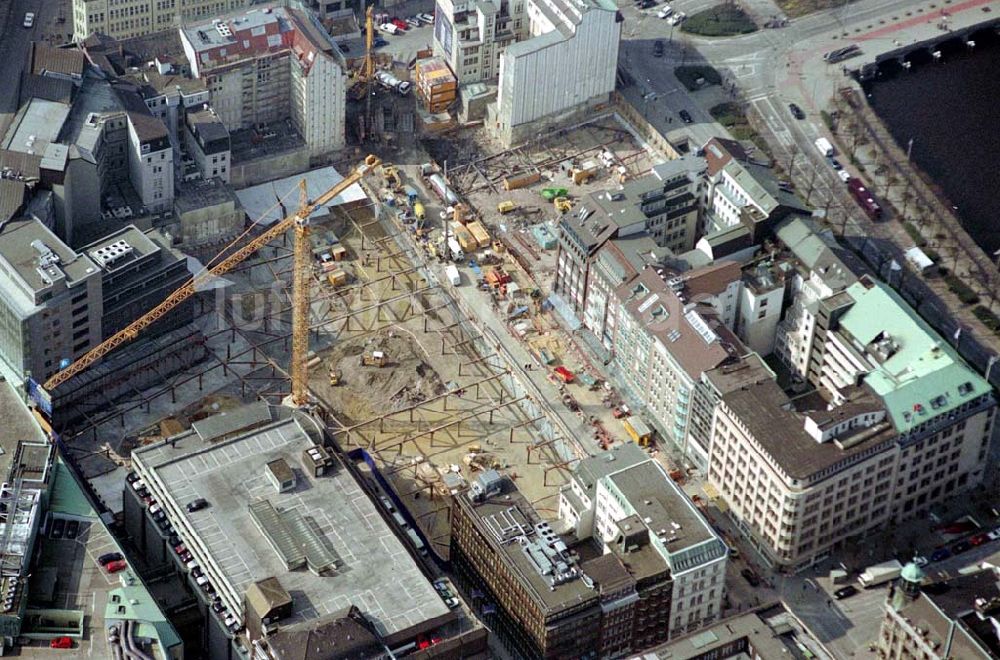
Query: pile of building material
[(436, 84)]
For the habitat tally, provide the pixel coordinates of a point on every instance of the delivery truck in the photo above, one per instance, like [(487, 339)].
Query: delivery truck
[(824, 147), (455, 250), (880, 574), (453, 275)]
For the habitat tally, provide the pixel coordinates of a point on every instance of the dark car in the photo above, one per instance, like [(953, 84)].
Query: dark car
[(109, 557), (658, 48), (940, 554), (835, 164), (646, 4), (131, 477), (750, 577), (796, 111), (58, 526), (960, 547), (197, 505), (217, 607), (378, 42), (344, 48), (685, 116), (159, 515), (845, 592), (72, 529)]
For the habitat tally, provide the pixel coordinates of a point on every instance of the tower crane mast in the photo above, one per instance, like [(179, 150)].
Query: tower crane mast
[(299, 221)]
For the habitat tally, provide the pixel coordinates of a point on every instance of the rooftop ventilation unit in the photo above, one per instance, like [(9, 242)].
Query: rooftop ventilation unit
[(110, 254)]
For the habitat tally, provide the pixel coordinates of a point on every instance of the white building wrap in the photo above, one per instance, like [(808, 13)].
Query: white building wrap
[(572, 61)]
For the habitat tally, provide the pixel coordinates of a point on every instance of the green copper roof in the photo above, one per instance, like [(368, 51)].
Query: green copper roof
[(912, 573), (134, 603), (65, 495), (923, 377)]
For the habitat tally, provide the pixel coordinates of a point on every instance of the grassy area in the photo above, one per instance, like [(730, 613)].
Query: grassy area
[(915, 234), (961, 289), (689, 75), (795, 8), (989, 319), (719, 21), (730, 116)]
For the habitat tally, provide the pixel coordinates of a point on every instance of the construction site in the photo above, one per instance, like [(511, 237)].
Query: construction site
[(434, 350)]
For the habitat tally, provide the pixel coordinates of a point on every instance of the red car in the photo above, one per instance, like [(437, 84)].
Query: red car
[(116, 566), (979, 539), (61, 643), (957, 527), (401, 24)]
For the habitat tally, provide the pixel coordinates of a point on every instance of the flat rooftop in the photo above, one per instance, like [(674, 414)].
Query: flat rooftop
[(373, 570), (259, 201), (20, 256), (763, 408), (511, 514), (35, 126)]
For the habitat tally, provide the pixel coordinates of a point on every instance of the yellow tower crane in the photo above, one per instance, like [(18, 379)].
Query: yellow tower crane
[(299, 221)]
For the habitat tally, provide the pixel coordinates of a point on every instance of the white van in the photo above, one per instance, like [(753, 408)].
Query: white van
[(389, 28)]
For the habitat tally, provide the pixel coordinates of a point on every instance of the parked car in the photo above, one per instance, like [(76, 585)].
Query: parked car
[(344, 48), (979, 539), (109, 557), (845, 592), (115, 566), (750, 577), (58, 527), (378, 42), (646, 4), (72, 529), (994, 535), (686, 116), (452, 602), (677, 18), (159, 515), (218, 607), (426, 18), (658, 48), (29, 20), (197, 505), (400, 23), (920, 561), (180, 549), (960, 527), (835, 164), (131, 478), (960, 547), (61, 643), (796, 111), (413, 22), (940, 554), (844, 176), (665, 10)]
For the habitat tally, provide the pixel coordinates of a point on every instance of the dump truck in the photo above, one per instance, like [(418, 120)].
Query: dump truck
[(373, 359), (880, 573)]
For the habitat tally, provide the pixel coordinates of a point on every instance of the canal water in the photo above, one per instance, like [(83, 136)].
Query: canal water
[(951, 111)]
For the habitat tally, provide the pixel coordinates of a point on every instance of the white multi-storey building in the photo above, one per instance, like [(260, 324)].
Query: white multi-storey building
[(132, 18), (471, 36), (150, 161), (897, 424), (614, 491), (270, 64)]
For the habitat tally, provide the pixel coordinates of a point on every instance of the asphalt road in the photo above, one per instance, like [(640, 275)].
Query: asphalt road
[(16, 38)]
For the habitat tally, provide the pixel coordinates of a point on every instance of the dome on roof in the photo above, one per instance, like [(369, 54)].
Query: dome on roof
[(912, 573)]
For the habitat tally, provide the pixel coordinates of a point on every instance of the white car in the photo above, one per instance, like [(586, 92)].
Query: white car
[(677, 18), (426, 18), (920, 561), (665, 10), (844, 176), (29, 19), (994, 535), (413, 22)]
